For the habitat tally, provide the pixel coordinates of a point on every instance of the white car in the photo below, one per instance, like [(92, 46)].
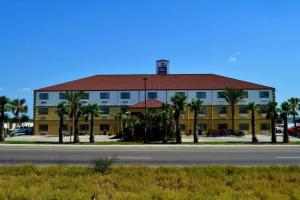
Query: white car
[(280, 127)]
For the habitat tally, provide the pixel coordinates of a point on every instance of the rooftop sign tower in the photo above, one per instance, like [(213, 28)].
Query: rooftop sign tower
[(162, 67)]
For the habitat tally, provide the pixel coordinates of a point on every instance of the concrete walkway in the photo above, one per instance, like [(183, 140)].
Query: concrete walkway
[(83, 138), (105, 138)]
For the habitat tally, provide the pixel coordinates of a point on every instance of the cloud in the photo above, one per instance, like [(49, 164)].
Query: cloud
[(232, 59), (25, 89)]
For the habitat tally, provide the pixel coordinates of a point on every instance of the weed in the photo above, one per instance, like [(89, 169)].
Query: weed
[(102, 165)]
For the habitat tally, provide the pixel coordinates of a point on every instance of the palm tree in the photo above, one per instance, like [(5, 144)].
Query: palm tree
[(119, 116), (4, 101), (254, 108), (179, 103), (294, 102), (272, 114), (61, 112), (232, 97), (166, 115), (152, 116), (92, 111), (130, 123), (18, 107), (74, 106), (24, 118), (285, 111), (198, 107)]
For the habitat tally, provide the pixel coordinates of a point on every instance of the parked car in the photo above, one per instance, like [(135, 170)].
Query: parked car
[(279, 128), (23, 130), (293, 130)]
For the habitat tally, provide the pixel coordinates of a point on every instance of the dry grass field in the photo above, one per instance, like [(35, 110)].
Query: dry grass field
[(139, 182)]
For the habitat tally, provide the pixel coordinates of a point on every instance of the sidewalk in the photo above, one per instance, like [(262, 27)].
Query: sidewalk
[(105, 138)]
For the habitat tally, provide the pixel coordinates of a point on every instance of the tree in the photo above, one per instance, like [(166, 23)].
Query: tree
[(197, 107), (294, 103), (130, 124), (61, 112), (272, 114), (119, 116), (285, 111), (4, 101), (24, 118), (18, 107), (74, 106), (179, 103), (92, 111), (232, 97), (166, 116), (254, 108), (152, 117)]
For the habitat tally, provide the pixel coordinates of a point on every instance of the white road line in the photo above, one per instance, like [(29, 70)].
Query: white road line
[(131, 158), (288, 157)]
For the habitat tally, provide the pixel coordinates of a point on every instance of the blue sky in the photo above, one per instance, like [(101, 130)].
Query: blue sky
[(45, 42)]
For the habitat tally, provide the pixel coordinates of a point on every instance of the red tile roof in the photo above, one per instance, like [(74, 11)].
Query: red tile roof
[(155, 82), (151, 103)]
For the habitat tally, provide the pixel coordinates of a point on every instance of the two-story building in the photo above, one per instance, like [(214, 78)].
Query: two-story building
[(114, 92)]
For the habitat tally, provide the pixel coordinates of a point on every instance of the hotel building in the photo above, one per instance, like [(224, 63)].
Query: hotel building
[(114, 92)]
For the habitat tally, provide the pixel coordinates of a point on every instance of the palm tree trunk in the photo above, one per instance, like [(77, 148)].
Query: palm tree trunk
[(2, 138), (232, 117), (150, 129), (196, 127), (119, 125), (18, 120), (285, 131), (294, 118), (61, 124), (254, 138), (92, 137), (274, 140), (122, 127), (165, 140), (76, 134), (73, 127), (178, 134)]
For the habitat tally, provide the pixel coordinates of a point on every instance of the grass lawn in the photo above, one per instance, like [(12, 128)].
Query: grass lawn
[(66, 182)]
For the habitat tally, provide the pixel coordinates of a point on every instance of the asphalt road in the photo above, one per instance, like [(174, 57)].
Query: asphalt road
[(151, 155)]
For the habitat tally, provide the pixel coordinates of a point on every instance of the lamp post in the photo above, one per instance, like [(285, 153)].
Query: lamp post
[(146, 137)]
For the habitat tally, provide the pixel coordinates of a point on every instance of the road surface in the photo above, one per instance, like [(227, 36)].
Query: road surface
[(151, 155)]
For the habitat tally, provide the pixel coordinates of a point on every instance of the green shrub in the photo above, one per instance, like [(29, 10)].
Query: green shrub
[(239, 133), (102, 165)]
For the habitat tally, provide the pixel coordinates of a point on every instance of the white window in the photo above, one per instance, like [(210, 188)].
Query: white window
[(200, 95), (86, 96), (125, 95), (62, 96), (220, 95), (180, 93), (152, 95), (104, 95), (43, 96), (264, 94)]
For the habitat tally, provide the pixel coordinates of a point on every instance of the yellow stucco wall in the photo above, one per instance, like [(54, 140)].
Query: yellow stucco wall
[(212, 119)]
